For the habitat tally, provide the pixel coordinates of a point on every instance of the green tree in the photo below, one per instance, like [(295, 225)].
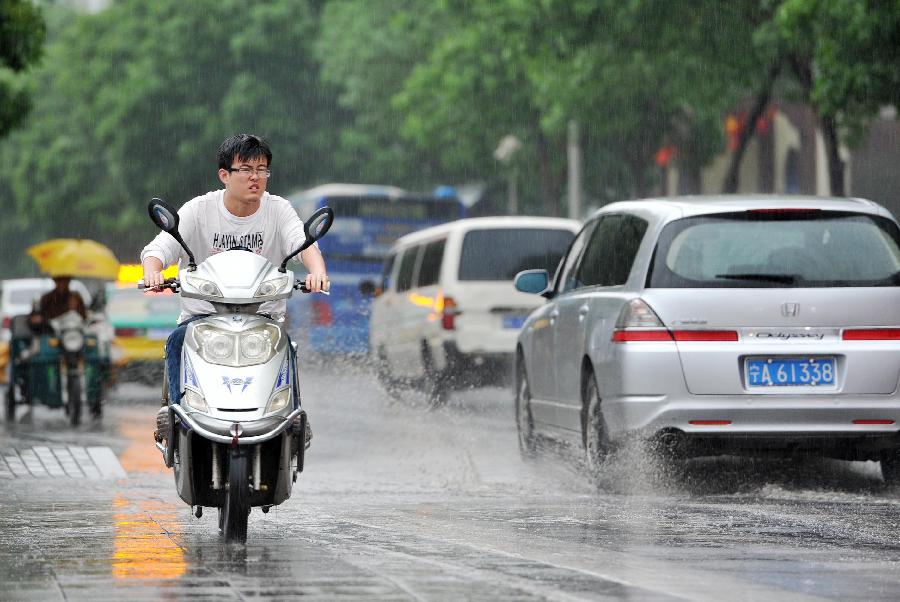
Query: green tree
[(21, 40), (138, 98), (846, 56)]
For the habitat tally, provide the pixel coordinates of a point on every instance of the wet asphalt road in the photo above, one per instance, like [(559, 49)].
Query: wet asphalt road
[(401, 503)]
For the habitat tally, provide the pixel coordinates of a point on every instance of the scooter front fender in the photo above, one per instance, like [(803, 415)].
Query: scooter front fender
[(254, 431)]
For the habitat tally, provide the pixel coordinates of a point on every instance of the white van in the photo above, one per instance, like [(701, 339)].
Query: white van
[(446, 313)]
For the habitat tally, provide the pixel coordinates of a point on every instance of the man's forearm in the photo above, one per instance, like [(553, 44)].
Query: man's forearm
[(313, 260)]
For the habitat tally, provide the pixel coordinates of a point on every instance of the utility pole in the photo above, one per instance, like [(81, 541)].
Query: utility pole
[(574, 155), (505, 153)]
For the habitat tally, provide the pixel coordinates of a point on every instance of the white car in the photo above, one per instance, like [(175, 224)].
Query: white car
[(446, 312), (720, 324)]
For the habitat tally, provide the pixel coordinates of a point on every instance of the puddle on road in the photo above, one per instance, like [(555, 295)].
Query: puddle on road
[(144, 541), (143, 545)]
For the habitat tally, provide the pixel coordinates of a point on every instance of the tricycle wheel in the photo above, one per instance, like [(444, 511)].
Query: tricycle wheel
[(97, 410), (10, 403), (237, 499), (74, 386)]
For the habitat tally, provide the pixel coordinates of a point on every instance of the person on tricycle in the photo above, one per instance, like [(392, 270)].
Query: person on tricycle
[(56, 360), (55, 303)]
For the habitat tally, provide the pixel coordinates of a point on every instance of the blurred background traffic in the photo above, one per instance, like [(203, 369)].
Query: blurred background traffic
[(440, 110)]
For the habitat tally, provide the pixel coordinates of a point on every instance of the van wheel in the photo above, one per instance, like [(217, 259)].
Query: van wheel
[(524, 420), (437, 385), (596, 439), (388, 381)]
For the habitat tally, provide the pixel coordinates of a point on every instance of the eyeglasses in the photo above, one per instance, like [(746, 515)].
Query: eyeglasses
[(244, 170)]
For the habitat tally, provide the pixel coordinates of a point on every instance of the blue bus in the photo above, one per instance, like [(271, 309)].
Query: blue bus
[(368, 219)]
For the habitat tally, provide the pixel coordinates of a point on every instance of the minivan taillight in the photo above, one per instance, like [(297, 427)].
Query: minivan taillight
[(705, 335), (321, 313), (633, 336), (6, 320), (638, 322), (871, 334)]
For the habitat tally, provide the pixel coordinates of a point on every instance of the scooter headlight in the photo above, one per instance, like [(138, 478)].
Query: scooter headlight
[(72, 341), (258, 345), (205, 287), (194, 400), (255, 346), (279, 401), (214, 345), (270, 287)]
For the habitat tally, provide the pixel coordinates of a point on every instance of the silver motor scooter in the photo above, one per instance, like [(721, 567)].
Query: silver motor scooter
[(237, 438)]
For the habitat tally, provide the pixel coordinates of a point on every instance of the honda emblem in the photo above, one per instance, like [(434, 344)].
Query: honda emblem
[(790, 310)]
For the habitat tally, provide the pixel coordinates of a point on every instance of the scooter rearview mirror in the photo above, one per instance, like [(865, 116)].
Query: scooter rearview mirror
[(315, 228), (318, 223), (165, 218)]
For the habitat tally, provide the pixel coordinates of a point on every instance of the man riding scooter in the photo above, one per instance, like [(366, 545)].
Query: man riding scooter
[(241, 215)]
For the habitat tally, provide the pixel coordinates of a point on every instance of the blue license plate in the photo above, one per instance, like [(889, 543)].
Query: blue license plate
[(513, 321), (790, 372)]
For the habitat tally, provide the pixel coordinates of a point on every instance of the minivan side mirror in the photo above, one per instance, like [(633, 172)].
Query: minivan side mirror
[(532, 281)]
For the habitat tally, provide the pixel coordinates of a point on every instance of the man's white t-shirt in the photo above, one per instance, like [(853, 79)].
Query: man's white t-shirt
[(273, 231)]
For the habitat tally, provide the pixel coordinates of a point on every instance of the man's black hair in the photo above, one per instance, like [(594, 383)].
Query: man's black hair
[(245, 146)]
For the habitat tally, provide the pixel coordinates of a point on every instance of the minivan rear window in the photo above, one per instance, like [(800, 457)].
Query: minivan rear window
[(772, 248), (501, 253)]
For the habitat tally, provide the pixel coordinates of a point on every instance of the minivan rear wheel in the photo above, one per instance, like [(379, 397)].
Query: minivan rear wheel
[(890, 466), (596, 440), (524, 420)]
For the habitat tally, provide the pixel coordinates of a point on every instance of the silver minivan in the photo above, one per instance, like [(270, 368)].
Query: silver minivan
[(446, 313), (720, 324)]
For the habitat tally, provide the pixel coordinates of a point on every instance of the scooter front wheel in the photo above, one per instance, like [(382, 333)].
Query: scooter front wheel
[(237, 499)]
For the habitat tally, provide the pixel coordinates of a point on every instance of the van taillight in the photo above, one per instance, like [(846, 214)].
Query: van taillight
[(6, 321), (449, 313), (321, 313)]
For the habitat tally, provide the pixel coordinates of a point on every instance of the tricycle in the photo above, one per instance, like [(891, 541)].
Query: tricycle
[(62, 366)]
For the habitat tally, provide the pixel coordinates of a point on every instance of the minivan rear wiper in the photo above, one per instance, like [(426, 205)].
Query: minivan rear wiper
[(756, 277)]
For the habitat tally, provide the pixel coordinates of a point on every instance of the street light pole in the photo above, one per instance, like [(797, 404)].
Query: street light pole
[(574, 156), (504, 153)]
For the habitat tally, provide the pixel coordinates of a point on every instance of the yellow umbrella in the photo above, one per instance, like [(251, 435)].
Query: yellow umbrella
[(75, 257)]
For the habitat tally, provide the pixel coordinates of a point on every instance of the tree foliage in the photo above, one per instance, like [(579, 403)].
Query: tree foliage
[(132, 102), (21, 40), (142, 94)]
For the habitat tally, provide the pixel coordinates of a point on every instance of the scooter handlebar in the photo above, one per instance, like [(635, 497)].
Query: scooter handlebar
[(170, 283), (300, 285)]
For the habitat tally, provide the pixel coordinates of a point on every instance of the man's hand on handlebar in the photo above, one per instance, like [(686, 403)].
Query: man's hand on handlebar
[(317, 282), (153, 280)]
